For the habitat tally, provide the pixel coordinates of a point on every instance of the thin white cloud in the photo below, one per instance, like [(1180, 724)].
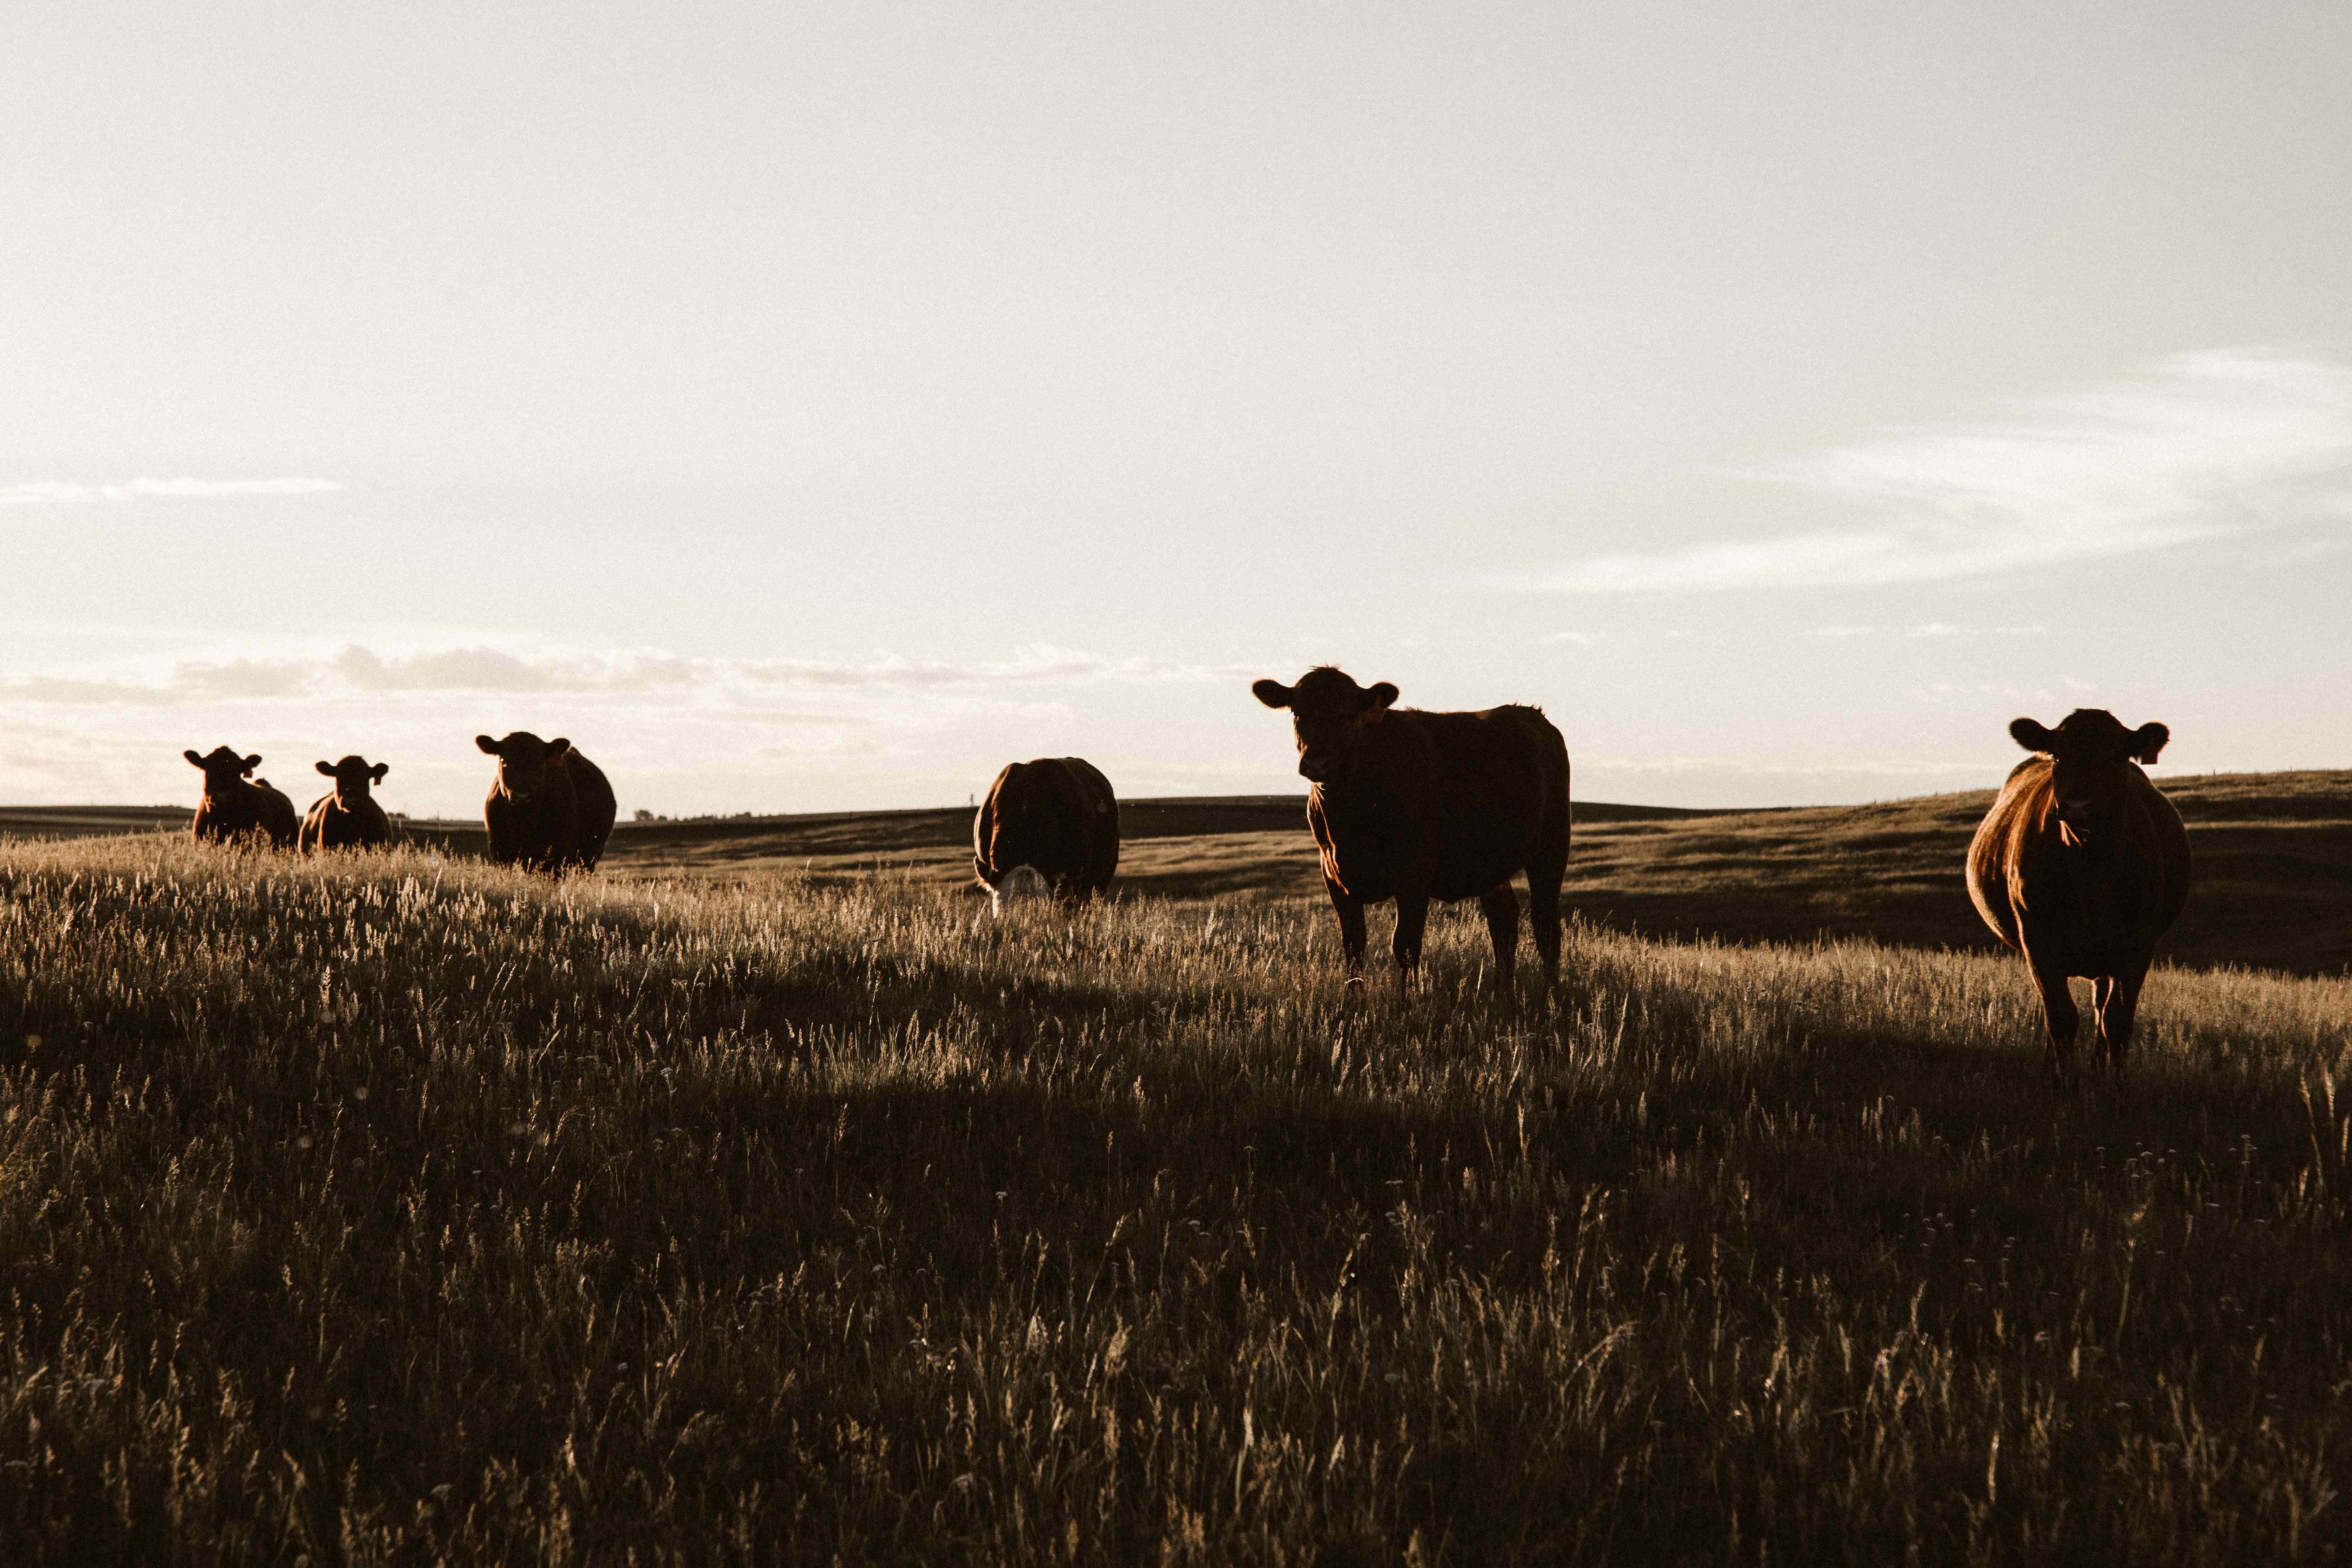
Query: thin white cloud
[(2201, 447), (617, 674), (167, 489)]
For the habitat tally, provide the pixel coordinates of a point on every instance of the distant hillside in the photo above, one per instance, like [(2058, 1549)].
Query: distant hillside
[(2274, 878)]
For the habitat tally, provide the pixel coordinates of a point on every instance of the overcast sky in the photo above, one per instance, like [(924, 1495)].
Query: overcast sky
[(813, 408)]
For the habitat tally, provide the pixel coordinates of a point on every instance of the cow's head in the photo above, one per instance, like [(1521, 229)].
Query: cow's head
[(352, 777), (523, 759), (222, 767), (2091, 755), (1328, 714)]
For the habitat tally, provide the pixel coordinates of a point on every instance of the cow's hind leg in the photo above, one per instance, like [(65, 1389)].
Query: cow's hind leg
[(2059, 1015), (1502, 908), (1545, 875)]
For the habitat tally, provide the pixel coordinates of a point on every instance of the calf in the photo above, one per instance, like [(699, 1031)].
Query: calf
[(1056, 819), (2080, 866), (348, 818), (1414, 806), (233, 807), (548, 808)]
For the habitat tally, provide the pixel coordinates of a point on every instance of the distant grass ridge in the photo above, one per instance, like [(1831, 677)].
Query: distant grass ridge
[(401, 1207), (2272, 888)]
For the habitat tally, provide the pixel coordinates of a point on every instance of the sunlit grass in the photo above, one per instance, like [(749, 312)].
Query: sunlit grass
[(390, 1206)]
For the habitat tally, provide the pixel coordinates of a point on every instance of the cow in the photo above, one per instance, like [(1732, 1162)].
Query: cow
[(2080, 866), (347, 817), (550, 808), (233, 807), (1056, 817), (1414, 806)]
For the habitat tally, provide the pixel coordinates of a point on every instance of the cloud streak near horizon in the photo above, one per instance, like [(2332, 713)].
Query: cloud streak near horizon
[(356, 672), (67, 492), (2201, 447)]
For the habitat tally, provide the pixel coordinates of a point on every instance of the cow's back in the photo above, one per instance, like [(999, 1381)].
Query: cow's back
[(332, 824), (1502, 795), (1449, 803)]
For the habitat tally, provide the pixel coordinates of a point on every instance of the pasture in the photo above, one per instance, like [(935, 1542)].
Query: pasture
[(756, 1200)]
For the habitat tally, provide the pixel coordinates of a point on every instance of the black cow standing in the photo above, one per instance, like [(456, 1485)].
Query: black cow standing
[(1056, 817), (1414, 806), (550, 808)]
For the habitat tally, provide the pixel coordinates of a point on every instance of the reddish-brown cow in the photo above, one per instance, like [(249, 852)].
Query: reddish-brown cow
[(231, 806), (2080, 866), (549, 807), (1054, 817), (348, 816), (1414, 806)]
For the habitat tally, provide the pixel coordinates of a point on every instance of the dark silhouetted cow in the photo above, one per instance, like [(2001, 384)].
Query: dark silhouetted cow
[(1414, 806), (233, 807), (1056, 816), (2080, 866), (549, 807), (348, 818)]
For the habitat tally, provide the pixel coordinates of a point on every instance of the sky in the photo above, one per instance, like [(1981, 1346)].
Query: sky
[(816, 408)]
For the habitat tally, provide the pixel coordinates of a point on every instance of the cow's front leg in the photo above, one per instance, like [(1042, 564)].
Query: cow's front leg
[(1350, 911), (2059, 1014), (2118, 1003), (1412, 918)]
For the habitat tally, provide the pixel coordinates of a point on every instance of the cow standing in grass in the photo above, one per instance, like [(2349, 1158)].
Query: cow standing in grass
[(348, 818), (2080, 866), (1414, 806), (1047, 826), (550, 808), (233, 807)]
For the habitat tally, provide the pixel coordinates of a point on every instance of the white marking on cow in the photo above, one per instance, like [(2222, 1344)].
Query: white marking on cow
[(1021, 885)]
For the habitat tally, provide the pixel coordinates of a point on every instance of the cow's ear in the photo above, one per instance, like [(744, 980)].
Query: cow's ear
[(1378, 699), (557, 748), (328, 769), (252, 762), (1273, 693), (2148, 741), (194, 760), (380, 770), (2034, 736), (487, 744)]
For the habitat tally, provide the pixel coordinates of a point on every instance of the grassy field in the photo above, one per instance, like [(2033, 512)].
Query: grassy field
[(399, 1209), (2273, 854)]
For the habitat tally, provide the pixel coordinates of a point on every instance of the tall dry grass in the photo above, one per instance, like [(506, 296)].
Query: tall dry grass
[(397, 1209)]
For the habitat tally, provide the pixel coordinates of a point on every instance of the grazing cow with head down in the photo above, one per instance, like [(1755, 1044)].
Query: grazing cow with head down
[(1414, 806), (233, 807), (348, 816), (549, 807), (2080, 866), (1056, 819)]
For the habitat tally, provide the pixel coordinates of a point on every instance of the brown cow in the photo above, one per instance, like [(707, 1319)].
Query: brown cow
[(1414, 806), (549, 807), (2080, 866), (233, 807), (1053, 818), (348, 816)]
